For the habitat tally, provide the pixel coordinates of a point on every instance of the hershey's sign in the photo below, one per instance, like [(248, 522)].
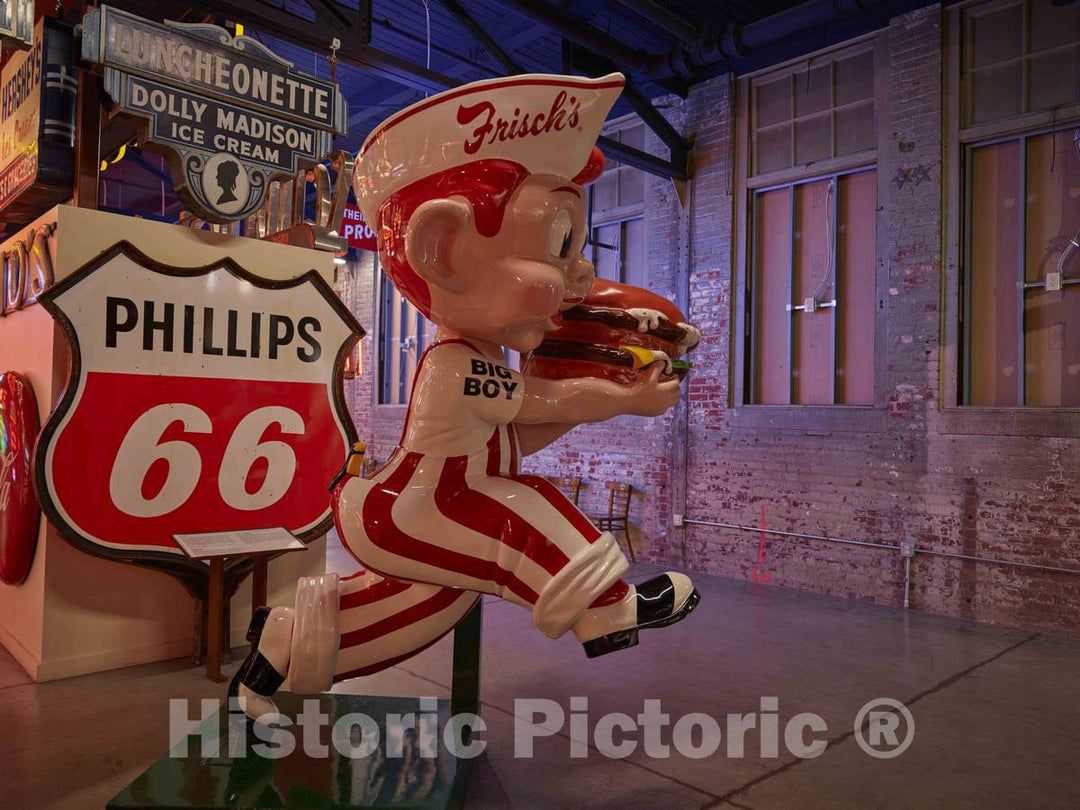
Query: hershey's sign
[(230, 114), (37, 126)]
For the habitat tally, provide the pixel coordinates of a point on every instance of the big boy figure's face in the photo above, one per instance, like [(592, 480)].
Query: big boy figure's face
[(510, 288)]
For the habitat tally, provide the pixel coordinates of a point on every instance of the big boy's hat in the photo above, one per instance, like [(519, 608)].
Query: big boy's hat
[(547, 123)]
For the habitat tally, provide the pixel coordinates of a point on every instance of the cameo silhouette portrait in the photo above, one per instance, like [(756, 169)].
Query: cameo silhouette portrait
[(226, 183), (227, 172)]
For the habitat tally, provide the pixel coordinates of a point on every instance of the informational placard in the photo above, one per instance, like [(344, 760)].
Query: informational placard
[(236, 544), (356, 231), (229, 113), (200, 400), (20, 513)]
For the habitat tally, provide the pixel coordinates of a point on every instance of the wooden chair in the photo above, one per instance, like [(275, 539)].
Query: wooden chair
[(617, 518), (570, 487), (370, 467)]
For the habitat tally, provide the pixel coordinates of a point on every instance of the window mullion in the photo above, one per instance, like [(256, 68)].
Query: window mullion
[(1021, 257), (967, 272), (791, 298), (385, 367), (835, 259), (754, 293), (403, 331)]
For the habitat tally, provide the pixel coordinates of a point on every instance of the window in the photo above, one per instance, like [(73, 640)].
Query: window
[(1022, 272), (618, 251), (403, 335), (617, 241), (1019, 286), (813, 292), (1019, 57), (825, 109), (810, 221)]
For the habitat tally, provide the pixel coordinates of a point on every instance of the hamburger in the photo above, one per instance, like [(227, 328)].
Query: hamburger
[(615, 333)]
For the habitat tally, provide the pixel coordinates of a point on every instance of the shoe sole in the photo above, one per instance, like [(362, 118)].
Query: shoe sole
[(624, 639)]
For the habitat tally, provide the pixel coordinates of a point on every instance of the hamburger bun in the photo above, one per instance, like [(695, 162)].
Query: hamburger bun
[(616, 333)]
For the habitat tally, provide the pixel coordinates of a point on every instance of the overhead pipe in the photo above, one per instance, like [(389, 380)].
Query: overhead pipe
[(687, 62)]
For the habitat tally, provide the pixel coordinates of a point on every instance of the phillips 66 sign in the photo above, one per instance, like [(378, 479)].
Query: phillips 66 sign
[(200, 400)]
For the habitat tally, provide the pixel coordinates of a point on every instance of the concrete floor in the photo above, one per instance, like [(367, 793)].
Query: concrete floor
[(997, 712)]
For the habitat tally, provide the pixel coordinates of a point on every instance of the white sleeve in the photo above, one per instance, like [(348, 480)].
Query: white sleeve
[(490, 390)]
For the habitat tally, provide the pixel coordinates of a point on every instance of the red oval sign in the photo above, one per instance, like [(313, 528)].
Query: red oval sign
[(19, 509)]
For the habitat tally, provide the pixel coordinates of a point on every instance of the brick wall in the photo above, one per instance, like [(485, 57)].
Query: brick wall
[(966, 481)]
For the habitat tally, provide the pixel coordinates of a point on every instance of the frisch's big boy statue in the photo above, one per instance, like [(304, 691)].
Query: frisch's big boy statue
[(477, 197)]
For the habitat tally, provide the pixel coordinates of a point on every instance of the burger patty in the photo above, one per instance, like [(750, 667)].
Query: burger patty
[(666, 331), (596, 353)]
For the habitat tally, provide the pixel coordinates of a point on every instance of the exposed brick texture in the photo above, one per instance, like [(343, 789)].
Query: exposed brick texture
[(965, 481)]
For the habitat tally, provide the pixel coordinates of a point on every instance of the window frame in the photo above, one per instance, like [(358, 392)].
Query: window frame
[(381, 349), (620, 254), (835, 417), (959, 145), (620, 214)]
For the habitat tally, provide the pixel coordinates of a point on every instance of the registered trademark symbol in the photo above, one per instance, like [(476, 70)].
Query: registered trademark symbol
[(884, 728)]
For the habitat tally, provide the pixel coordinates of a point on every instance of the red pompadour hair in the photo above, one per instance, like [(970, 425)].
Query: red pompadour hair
[(487, 185)]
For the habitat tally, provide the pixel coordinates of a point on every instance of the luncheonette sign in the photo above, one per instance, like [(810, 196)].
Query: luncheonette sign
[(200, 400), (230, 114), (20, 513), (356, 231)]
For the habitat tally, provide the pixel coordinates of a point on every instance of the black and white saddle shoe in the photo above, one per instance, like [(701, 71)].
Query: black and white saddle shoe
[(659, 604), (256, 673)]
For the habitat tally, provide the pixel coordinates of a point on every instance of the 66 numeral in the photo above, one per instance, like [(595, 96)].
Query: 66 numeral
[(142, 448)]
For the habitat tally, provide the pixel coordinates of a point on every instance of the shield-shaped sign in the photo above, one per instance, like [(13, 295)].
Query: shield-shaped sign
[(200, 400)]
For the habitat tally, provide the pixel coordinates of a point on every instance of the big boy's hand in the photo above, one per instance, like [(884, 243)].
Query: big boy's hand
[(591, 399), (650, 396)]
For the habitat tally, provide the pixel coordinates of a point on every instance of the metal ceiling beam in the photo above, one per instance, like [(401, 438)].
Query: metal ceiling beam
[(658, 15), (567, 25), (341, 18), (641, 160), (655, 121), (313, 35), (393, 29), (676, 167), (689, 62), (480, 35)]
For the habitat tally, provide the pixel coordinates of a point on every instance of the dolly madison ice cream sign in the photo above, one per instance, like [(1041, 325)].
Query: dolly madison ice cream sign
[(229, 113)]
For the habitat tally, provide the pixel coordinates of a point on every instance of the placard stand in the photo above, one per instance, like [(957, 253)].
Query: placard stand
[(183, 778), (214, 548)]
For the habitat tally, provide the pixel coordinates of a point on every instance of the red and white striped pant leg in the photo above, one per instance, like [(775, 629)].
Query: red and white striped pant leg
[(529, 512), (384, 621), (465, 522), (410, 530)]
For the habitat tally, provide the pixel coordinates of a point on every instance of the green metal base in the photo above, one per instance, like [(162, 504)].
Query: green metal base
[(298, 780)]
